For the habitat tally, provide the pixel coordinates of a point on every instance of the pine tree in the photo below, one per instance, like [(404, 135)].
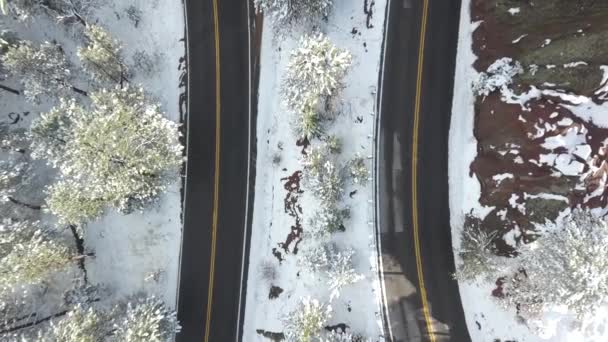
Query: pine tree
[(120, 152), (567, 265), (287, 12), (358, 170), (102, 56), (314, 71), (43, 70), (28, 253), (477, 253), (306, 322), (146, 320), (328, 220), (328, 187), (80, 324), (342, 272), (64, 11)]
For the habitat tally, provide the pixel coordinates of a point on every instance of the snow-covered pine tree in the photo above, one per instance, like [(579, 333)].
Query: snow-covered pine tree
[(315, 259), (328, 220), (306, 322), (314, 160), (287, 12), (358, 170), (80, 324), (308, 123), (328, 186), (344, 336), (29, 253), (567, 265), (7, 39), (15, 172), (102, 57), (64, 11), (120, 152), (43, 70), (341, 272), (146, 320), (476, 252), (314, 71)]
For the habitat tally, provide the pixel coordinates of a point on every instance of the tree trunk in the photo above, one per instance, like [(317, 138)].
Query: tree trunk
[(31, 324), (80, 91), (23, 204), (80, 248), (10, 90)]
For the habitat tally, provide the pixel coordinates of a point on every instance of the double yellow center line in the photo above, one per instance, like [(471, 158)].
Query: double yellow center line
[(216, 30), (423, 295), (415, 227)]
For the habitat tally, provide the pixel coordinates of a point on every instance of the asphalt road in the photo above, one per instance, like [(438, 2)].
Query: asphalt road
[(401, 171), (217, 175)]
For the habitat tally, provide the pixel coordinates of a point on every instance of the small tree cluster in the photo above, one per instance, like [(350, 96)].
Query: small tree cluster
[(119, 152), (43, 70), (305, 323), (568, 266), (287, 12), (314, 72), (102, 57), (476, 252)]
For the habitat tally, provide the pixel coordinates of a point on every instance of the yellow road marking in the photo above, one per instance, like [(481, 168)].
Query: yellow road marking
[(217, 169), (425, 304)]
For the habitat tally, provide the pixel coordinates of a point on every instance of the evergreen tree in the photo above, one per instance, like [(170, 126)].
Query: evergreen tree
[(28, 253), (43, 70), (146, 320), (342, 272), (287, 12), (306, 322), (120, 152), (64, 11), (568, 265), (314, 71), (476, 252), (81, 324), (102, 56)]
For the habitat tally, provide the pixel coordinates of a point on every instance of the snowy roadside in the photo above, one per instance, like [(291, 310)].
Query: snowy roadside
[(486, 318), (139, 252), (279, 159)]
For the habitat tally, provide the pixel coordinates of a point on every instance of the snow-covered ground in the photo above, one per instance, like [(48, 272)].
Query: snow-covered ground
[(138, 252), (358, 306), (486, 319)]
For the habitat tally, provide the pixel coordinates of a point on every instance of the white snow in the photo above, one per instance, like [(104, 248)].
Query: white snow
[(500, 177), (518, 39), (128, 248), (574, 64), (359, 304), (514, 10)]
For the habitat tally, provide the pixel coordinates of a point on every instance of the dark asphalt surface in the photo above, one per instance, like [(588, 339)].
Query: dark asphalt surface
[(405, 315), (198, 208)]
